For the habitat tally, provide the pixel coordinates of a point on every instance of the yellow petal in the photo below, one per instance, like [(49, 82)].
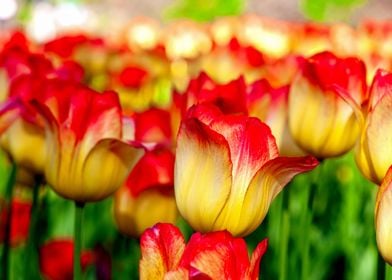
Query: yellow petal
[(376, 145), (106, 168), (383, 218), (202, 175)]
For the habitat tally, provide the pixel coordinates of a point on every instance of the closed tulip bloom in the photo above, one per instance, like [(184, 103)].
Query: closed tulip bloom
[(383, 218), (323, 101), (216, 255), (147, 197), (86, 157), (374, 152), (228, 170)]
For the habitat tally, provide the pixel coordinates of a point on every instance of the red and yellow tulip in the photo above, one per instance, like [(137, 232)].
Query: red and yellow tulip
[(323, 103), (83, 139), (147, 197), (228, 170), (216, 255), (270, 104)]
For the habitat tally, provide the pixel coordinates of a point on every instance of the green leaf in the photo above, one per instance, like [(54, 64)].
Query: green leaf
[(329, 10), (204, 10)]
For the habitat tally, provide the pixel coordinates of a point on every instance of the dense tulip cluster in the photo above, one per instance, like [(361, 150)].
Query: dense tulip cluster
[(207, 123)]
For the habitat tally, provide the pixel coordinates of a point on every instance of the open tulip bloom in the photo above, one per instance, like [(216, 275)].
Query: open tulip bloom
[(215, 255), (228, 170)]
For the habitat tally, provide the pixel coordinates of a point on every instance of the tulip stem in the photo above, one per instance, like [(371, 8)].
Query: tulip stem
[(388, 272), (79, 206), (284, 241), (31, 241), (7, 231), (307, 218)]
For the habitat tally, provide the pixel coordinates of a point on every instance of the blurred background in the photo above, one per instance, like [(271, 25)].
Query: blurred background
[(44, 19)]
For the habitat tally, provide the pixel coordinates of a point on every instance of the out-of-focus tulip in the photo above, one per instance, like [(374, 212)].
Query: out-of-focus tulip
[(147, 196), (281, 72), (23, 136), (374, 153), (228, 171), (323, 103), (272, 37), (374, 45), (20, 221), (84, 138), (231, 98), (216, 255), (383, 218), (224, 29), (56, 259), (270, 106), (142, 34), (229, 62), (186, 40), (153, 126)]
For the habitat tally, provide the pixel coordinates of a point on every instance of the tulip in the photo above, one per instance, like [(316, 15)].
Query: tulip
[(216, 255), (22, 129), (147, 196), (323, 102), (229, 62), (84, 139), (153, 126), (269, 104), (56, 259), (228, 171), (20, 220), (230, 98), (373, 153), (383, 218)]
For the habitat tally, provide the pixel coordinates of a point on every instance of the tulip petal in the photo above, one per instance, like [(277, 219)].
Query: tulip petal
[(153, 125), (254, 267), (265, 186), (162, 247), (382, 85), (251, 145), (217, 255), (9, 112), (379, 137), (383, 218), (119, 158), (202, 172)]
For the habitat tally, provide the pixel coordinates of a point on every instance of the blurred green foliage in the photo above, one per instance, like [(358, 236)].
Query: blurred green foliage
[(204, 10), (329, 10)]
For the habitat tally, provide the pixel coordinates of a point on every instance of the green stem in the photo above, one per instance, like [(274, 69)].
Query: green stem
[(31, 249), (7, 234), (306, 222), (78, 240), (388, 272), (284, 242)]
